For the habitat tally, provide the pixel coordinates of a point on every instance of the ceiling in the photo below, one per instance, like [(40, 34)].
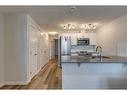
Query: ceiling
[(49, 17)]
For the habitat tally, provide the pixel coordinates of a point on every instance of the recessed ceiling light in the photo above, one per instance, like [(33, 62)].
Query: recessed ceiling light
[(72, 9)]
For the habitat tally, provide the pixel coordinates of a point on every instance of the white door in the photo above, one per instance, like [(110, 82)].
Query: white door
[(33, 52), (39, 51)]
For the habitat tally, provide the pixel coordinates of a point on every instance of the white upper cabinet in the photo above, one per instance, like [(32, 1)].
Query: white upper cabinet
[(73, 39), (91, 36)]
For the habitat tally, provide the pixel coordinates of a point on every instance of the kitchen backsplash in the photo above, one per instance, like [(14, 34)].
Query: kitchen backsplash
[(82, 48)]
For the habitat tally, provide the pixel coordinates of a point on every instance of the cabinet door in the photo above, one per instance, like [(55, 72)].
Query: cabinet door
[(73, 39)]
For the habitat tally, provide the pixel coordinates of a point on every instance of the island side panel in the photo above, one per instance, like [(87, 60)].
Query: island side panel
[(94, 75)]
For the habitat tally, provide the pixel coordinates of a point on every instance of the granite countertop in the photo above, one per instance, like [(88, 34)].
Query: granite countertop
[(81, 59)]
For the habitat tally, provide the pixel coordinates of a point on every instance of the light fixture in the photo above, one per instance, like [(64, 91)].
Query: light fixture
[(41, 34), (69, 26), (53, 33), (74, 26), (88, 27)]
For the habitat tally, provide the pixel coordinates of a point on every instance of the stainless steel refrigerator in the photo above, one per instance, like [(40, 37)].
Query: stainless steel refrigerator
[(65, 45)]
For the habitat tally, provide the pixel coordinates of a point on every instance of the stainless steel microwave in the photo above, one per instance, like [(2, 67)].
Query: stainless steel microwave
[(83, 41)]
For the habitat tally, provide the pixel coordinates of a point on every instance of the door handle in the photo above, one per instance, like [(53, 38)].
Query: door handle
[(35, 54)]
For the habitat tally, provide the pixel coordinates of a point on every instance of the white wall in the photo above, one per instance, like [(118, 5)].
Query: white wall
[(52, 49), (44, 49), (74, 36), (113, 37), (15, 65), (14, 49), (56, 47), (1, 49)]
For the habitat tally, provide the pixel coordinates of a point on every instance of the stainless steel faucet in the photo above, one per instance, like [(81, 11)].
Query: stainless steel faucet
[(99, 51)]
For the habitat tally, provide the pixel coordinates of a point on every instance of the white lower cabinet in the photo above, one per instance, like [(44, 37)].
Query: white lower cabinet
[(94, 76)]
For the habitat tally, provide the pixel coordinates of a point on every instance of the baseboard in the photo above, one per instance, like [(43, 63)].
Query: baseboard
[(1, 84), (16, 82)]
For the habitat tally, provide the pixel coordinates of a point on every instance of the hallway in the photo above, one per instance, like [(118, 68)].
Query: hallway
[(48, 78)]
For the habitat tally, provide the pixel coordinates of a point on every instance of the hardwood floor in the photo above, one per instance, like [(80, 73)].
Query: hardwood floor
[(49, 77)]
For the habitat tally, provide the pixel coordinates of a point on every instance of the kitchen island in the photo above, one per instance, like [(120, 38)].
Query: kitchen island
[(93, 72), (103, 59)]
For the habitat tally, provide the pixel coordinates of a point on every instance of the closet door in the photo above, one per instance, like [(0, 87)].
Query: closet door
[(33, 51)]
